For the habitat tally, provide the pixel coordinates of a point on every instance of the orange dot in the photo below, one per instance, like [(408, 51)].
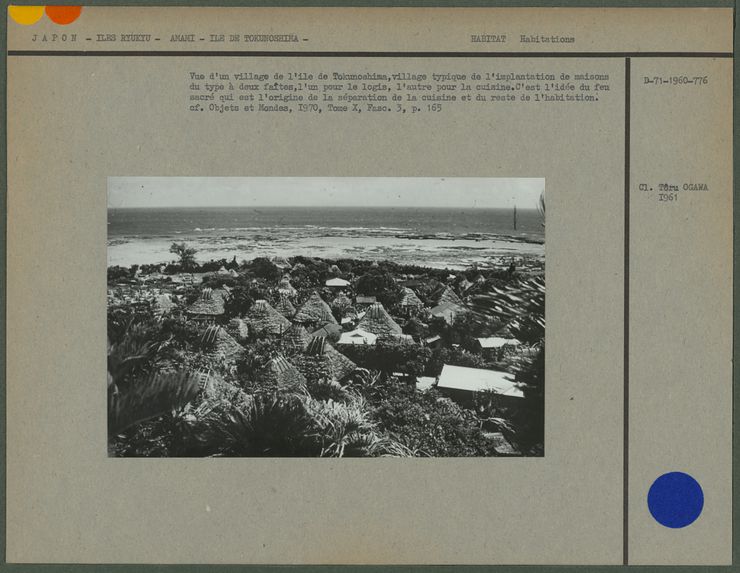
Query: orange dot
[(26, 15), (63, 14)]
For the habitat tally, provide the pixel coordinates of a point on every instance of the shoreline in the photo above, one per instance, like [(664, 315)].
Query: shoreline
[(438, 250)]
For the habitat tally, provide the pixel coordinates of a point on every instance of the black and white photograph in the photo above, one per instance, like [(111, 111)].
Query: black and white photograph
[(326, 317)]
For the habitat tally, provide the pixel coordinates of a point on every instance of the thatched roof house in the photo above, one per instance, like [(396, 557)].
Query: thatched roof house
[(285, 308), (326, 317), (449, 295), (238, 329), (378, 321), (314, 311), (220, 343), (448, 311), (295, 339), (409, 300), (329, 331), (208, 307), (281, 373), (264, 319), (215, 389), (336, 363)]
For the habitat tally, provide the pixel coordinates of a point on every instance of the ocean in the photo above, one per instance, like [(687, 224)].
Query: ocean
[(435, 237)]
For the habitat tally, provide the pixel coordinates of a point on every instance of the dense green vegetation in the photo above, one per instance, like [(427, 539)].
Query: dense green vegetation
[(172, 394)]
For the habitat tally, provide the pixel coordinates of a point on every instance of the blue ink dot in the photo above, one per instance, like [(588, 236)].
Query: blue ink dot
[(675, 500)]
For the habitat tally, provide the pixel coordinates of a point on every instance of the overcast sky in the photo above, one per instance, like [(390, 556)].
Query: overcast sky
[(465, 192)]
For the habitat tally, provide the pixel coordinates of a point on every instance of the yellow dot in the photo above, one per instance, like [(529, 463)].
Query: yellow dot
[(26, 15)]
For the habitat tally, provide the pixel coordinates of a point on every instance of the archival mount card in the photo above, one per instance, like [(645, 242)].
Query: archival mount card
[(369, 286)]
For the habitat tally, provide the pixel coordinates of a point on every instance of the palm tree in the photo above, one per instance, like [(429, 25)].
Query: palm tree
[(541, 208), (150, 397), (270, 425), (186, 254), (345, 428), (293, 425), (138, 389), (521, 307)]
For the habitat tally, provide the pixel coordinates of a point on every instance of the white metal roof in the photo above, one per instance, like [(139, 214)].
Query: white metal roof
[(425, 382), (337, 282), (497, 342), (357, 336), (478, 380)]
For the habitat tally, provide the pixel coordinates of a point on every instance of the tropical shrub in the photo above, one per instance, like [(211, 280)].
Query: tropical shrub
[(264, 268), (185, 254)]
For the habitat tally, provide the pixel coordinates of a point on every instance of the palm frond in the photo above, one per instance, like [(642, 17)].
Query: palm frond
[(265, 425), (149, 397), (521, 307)]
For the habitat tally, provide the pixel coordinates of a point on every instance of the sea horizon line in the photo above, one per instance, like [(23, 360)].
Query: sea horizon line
[(333, 207)]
